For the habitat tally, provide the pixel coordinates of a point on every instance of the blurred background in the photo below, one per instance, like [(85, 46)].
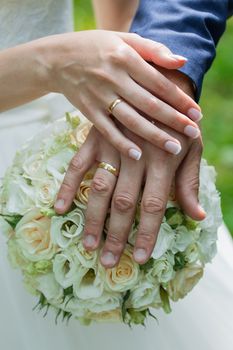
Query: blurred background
[(217, 107)]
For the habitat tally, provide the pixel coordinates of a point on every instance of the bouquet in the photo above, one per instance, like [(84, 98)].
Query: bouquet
[(48, 249)]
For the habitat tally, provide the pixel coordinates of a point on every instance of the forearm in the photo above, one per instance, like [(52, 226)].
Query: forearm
[(115, 15), (22, 75)]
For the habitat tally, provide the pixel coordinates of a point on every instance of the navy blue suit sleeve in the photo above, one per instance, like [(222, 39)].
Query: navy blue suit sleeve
[(190, 28)]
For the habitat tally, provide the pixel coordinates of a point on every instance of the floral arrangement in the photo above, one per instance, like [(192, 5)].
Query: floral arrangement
[(48, 248)]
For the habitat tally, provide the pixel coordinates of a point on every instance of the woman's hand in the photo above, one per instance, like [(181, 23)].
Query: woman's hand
[(94, 68)]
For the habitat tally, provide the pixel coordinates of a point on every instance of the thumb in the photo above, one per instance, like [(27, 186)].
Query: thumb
[(155, 52), (187, 182)]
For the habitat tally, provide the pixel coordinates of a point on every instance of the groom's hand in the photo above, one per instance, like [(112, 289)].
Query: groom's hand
[(159, 168)]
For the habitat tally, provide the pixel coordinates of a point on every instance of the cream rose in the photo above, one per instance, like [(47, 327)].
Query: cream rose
[(184, 281), (122, 277), (83, 192), (33, 236), (46, 191), (82, 131)]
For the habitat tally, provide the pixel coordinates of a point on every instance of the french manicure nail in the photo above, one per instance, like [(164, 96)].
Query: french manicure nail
[(89, 240), (191, 131), (179, 58), (135, 154), (172, 147), (60, 204), (194, 114), (140, 255), (108, 259)]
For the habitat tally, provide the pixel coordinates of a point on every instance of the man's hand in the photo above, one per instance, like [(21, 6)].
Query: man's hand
[(156, 169)]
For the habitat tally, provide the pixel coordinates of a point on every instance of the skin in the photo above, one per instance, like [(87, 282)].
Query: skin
[(156, 169), (115, 67)]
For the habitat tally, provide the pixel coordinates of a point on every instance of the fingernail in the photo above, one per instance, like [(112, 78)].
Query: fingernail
[(194, 114), (135, 154), (89, 241), (108, 259), (202, 210), (140, 255), (60, 204), (172, 147), (179, 58), (191, 131)]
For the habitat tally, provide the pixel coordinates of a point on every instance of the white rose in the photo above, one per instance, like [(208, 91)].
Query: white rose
[(183, 239), (184, 281), (191, 253), (66, 230), (67, 268), (162, 268), (34, 166), (105, 302), (5, 228), (207, 245), (46, 191), (122, 277), (33, 236), (89, 285), (49, 287), (87, 258), (165, 240), (57, 164), (18, 195), (144, 295)]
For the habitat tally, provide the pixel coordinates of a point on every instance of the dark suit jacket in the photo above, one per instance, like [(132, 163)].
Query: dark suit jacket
[(190, 28)]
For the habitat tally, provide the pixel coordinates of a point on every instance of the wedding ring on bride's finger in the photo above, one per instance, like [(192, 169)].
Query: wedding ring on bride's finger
[(113, 105), (111, 169)]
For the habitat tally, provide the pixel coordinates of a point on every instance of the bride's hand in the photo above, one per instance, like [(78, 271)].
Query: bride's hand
[(94, 68)]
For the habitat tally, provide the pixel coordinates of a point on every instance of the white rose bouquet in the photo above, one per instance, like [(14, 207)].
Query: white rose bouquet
[(48, 248)]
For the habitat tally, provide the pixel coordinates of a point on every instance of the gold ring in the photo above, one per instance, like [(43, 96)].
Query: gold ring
[(113, 105), (111, 169)]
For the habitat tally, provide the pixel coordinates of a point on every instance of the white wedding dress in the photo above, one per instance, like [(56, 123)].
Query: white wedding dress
[(203, 320)]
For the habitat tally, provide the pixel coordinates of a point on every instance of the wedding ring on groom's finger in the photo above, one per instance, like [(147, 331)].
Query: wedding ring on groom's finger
[(111, 169), (113, 105)]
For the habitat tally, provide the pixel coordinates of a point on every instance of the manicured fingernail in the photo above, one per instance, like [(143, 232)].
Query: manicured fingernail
[(172, 147), (194, 114), (140, 255), (135, 154), (60, 204), (89, 241), (191, 131), (108, 259), (179, 58)]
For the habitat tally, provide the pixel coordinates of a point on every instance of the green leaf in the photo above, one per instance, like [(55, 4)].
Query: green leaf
[(12, 219), (74, 121), (174, 217), (180, 261), (123, 306), (148, 265), (190, 224), (165, 300)]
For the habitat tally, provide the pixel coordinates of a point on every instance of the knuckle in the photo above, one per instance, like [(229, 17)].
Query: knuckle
[(163, 86), (76, 164), (153, 205), (119, 54), (123, 202), (90, 223), (193, 183), (100, 185), (115, 241), (146, 238), (152, 105), (66, 187)]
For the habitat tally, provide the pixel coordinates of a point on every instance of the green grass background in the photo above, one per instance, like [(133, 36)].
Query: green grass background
[(216, 103)]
